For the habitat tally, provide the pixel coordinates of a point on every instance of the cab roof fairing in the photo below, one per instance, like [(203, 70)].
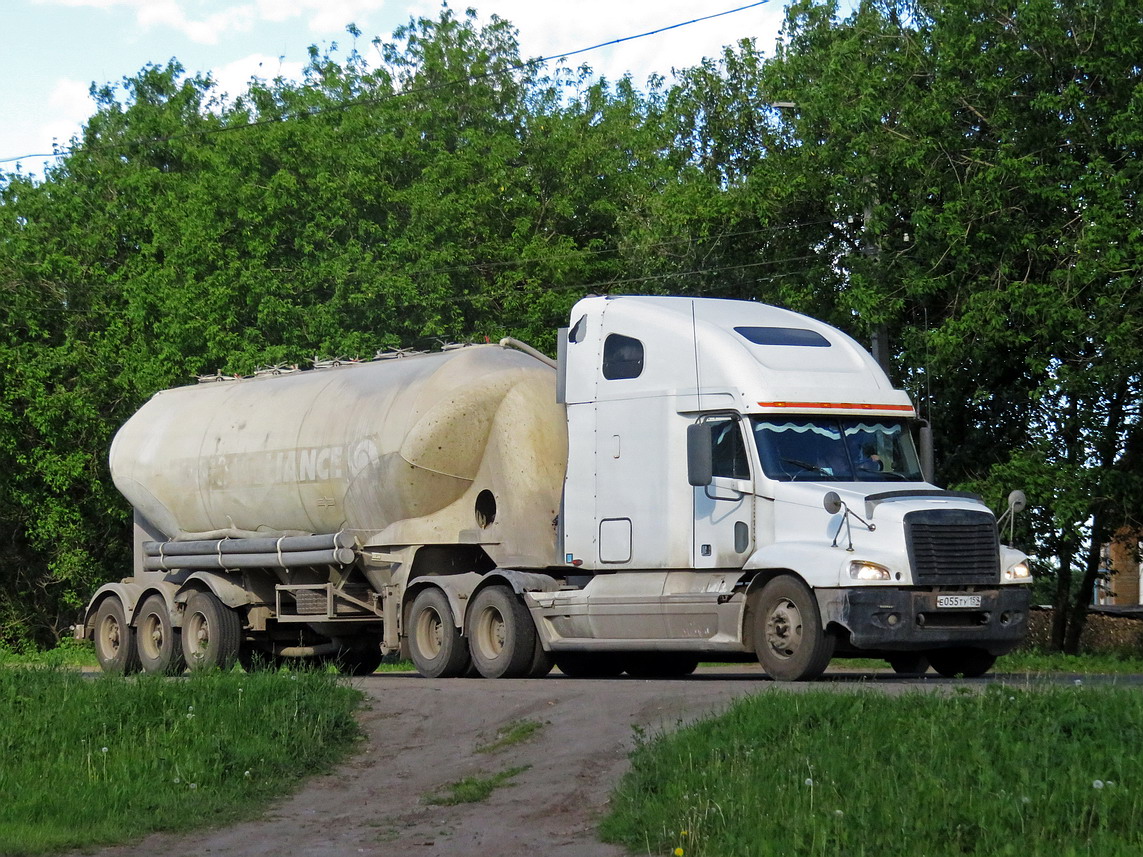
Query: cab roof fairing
[(735, 373)]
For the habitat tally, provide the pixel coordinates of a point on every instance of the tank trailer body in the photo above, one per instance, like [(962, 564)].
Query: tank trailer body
[(693, 478)]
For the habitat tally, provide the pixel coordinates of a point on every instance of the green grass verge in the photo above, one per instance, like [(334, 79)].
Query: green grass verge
[(1000, 772), (91, 761)]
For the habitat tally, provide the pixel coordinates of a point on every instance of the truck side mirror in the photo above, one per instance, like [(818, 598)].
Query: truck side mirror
[(700, 461), (928, 460)]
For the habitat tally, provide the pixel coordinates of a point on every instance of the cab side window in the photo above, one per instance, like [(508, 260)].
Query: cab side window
[(622, 357), (728, 450)]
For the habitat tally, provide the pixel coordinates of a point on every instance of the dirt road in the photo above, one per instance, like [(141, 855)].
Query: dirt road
[(422, 734)]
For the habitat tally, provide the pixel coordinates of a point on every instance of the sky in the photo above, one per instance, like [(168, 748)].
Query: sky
[(55, 49)]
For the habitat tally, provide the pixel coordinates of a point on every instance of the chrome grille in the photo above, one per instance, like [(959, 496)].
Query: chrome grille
[(952, 547)]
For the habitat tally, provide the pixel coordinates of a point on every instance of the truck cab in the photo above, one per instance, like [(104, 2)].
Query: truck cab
[(720, 449)]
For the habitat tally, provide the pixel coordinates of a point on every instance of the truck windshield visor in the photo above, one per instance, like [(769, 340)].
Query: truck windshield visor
[(821, 449)]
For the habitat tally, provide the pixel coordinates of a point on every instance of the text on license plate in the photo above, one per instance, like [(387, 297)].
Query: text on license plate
[(958, 600)]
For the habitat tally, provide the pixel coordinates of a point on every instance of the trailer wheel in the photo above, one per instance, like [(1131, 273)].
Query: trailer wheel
[(909, 663), (114, 638), (789, 638), (212, 633), (971, 663), (501, 635), (435, 645), (159, 644)]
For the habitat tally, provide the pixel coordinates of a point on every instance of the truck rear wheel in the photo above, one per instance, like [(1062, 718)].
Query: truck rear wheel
[(435, 645), (971, 663), (501, 636), (789, 638), (660, 664), (160, 645), (909, 663), (212, 633), (114, 638)]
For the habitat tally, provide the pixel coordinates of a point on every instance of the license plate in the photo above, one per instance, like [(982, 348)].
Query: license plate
[(958, 600)]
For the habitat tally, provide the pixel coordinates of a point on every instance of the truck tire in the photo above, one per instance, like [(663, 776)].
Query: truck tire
[(541, 661), (160, 645), (909, 663), (589, 664), (114, 638), (660, 664), (501, 636), (212, 633), (968, 662), (789, 638), (436, 647)]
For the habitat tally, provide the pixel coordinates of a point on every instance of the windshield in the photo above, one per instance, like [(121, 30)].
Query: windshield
[(822, 449)]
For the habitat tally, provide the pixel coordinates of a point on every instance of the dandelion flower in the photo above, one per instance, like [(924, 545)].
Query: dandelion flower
[(682, 833), (1025, 799), (838, 813), (1097, 784), (678, 852), (247, 775), (809, 781), (104, 749), (193, 786), (1079, 682)]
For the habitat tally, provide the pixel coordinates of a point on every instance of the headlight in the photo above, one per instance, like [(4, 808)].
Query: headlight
[(859, 570), (1019, 571)]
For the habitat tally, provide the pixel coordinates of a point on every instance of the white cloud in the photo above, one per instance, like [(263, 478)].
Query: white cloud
[(233, 77), (69, 105)]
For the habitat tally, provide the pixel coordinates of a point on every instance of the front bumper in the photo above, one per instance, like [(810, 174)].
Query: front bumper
[(903, 620)]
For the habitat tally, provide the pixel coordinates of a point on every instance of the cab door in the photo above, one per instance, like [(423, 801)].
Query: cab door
[(724, 527)]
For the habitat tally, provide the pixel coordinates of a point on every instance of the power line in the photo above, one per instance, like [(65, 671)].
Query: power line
[(367, 102)]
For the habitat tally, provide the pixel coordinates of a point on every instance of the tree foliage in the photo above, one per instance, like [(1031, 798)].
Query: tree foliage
[(960, 176)]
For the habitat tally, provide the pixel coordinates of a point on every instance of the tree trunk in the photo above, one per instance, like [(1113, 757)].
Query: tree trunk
[(1062, 601)]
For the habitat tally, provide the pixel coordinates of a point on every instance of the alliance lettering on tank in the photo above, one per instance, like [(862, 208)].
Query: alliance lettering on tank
[(290, 466)]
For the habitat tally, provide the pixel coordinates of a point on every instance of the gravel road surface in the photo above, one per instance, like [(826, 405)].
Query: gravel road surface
[(423, 734)]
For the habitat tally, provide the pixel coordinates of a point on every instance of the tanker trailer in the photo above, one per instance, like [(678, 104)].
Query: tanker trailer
[(294, 515)]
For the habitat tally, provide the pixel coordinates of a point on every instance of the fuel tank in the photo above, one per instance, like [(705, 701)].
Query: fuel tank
[(466, 446)]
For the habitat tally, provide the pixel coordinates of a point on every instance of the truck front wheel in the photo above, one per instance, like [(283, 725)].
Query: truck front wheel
[(212, 633), (160, 649), (789, 638), (501, 635), (114, 638), (435, 645)]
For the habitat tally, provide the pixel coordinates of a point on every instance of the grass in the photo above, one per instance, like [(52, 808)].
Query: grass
[(511, 734), (91, 761), (999, 772), (473, 789), (1033, 662)]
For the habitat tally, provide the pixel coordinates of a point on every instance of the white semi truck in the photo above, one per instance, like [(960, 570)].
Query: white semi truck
[(691, 479)]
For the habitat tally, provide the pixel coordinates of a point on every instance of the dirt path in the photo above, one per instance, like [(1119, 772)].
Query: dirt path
[(422, 734)]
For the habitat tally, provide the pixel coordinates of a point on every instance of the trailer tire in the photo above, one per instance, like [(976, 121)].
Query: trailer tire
[(212, 633), (589, 664), (159, 643), (115, 638), (965, 661), (501, 636), (789, 638), (436, 647)]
